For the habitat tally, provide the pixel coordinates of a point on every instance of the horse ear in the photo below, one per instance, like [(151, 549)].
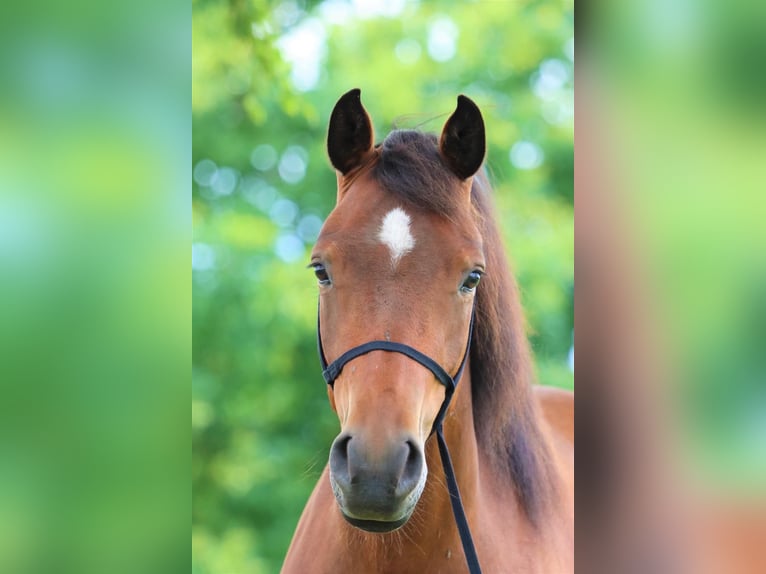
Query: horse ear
[(350, 136), (462, 142)]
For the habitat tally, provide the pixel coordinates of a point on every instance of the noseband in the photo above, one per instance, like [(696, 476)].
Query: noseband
[(332, 371)]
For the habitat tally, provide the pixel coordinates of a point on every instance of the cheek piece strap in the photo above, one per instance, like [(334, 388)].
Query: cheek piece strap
[(332, 371)]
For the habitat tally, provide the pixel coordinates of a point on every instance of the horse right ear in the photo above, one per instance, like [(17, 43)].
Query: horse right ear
[(350, 136)]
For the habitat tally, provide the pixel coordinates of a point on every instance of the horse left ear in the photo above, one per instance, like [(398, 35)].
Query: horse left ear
[(462, 143)]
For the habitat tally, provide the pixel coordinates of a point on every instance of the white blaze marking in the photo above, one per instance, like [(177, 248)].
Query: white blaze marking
[(395, 233)]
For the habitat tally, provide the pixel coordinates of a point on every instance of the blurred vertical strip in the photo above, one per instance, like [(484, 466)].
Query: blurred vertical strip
[(95, 146), (670, 243)]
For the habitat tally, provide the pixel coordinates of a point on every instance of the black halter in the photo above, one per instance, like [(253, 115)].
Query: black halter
[(332, 371)]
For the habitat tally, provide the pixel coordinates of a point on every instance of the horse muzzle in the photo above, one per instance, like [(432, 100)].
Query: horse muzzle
[(376, 488)]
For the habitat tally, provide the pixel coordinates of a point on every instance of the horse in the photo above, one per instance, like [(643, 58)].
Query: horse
[(415, 291)]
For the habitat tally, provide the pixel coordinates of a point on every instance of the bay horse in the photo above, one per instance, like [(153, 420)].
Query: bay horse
[(415, 291)]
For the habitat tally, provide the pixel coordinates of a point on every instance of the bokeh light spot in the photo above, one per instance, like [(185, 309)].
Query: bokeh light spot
[(289, 247), (204, 172), (309, 227), (283, 212), (292, 165), (225, 181), (259, 193), (371, 8), (408, 51), (263, 157), (526, 155), (549, 80), (442, 39), (304, 47), (203, 257)]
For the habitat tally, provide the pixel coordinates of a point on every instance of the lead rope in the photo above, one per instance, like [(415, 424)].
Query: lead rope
[(332, 371)]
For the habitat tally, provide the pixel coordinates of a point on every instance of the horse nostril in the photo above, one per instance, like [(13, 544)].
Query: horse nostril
[(413, 467), (414, 452), (339, 458)]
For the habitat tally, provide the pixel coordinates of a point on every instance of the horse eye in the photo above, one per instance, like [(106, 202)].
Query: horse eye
[(321, 274), (471, 282)]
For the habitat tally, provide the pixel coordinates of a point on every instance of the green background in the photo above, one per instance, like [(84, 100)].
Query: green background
[(265, 78)]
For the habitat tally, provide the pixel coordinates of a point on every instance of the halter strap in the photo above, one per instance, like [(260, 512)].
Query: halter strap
[(332, 371)]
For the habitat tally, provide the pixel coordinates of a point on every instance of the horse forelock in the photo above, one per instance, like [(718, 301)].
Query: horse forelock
[(410, 166)]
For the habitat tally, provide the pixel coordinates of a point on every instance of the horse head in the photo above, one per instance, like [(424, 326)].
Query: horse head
[(398, 259)]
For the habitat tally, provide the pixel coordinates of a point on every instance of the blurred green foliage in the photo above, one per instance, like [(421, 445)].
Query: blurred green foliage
[(693, 200), (265, 78), (94, 287)]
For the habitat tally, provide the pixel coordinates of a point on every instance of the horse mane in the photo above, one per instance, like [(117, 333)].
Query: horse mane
[(505, 418)]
